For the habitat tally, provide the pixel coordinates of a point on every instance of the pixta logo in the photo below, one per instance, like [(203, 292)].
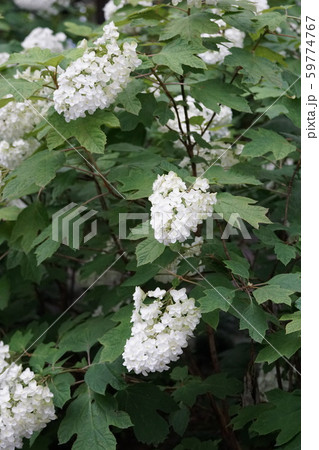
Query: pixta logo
[(67, 225)]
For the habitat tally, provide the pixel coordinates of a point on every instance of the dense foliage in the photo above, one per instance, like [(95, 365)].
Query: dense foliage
[(185, 115)]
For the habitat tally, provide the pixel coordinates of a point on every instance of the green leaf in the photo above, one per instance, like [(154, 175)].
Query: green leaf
[(87, 130), (38, 170), (100, 375), (19, 341), (219, 175), (284, 416), (179, 373), (285, 253), (212, 318), (281, 345), (193, 443), (219, 298), (240, 268), (271, 20), (294, 324), (220, 385), (228, 204), (241, 20), (164, 112), (271, 55), (212, 93), (89, 417), (4, 292), (78, 30), (142, 402), (293, 107), (35, 57), (60, 386), (274, 293), (20, 89), (249, 414), (9, 213), (178, 53), (114, 340), (267, 141), (190, 27), (254, 67), (128, 98), (84, 336), (179, 420), (45, 250), (45, 353), (290, 281), (251, 317), (136, 183), (148, 250), (30, 270), (30, 221)]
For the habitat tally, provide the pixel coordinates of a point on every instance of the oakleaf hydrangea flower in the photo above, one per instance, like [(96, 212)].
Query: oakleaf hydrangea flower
[(110, 7), (176, 210), (235, 38), (18, 119), (40, 6), (12, 154), (4, 56), (160, 329), (44, 38), (95, 79), (194, 3), (259, 4), (25, 405)]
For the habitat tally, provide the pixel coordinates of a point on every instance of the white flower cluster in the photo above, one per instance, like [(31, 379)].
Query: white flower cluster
[(93, 81), (40, 6), (160, 329), (17, 119), (218, 127), (260, 4), (166, 275), (12, 154), (177, 211), (195, 3), (222, 154), (4, 56), (44, 38), (234, 37), (110, 7), (25, 405)]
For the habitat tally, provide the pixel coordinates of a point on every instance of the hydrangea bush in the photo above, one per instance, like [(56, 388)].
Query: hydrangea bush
[(150, 225)]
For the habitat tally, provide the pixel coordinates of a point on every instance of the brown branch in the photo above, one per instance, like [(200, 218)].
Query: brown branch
[(289, 190), (171, 98)]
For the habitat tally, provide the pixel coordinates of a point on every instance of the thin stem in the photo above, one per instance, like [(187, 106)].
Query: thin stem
[(212, 348), (190, 145), (284, 35), (289, 191), (94, 198), (171, 98), (208, 124)]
